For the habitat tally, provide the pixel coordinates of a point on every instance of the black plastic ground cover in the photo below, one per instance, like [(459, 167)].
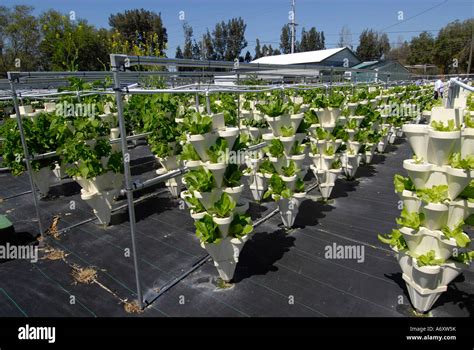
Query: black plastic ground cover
[(280, 273)]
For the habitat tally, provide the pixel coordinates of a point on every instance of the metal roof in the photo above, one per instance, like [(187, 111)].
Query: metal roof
[(300, 57)]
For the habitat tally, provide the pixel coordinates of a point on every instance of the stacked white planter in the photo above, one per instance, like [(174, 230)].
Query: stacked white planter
[(170, 163), (99, 192), (322, 168), (426, 283), (226, 252), (288, 207)]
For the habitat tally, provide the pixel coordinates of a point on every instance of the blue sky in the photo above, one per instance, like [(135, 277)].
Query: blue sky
[(265, 18)]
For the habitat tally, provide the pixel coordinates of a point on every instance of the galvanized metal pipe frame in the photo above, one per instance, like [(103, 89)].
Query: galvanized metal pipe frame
[(27, 155), (118, 65)]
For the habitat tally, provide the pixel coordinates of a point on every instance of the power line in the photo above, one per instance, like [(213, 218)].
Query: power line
[(414, 16)]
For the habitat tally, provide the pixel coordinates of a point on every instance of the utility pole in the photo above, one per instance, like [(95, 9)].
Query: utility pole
[(293, 25)]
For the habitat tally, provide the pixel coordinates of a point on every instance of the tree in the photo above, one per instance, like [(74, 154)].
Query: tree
[(188, 41), (19, 38), (276, 52), (248, 57), (285, 39), (421, 49), (179, 53), (452, 45), (72, 45), (311, 40), (368, 48), (229, 39), (258, 50), (138, 25), (208, 49), (383, 44), (400, 52), (345, 37)]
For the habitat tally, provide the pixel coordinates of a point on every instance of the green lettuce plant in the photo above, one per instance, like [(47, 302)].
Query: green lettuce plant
[(274, 108), (299, 186), (207, 230), (232, 176), (429, 259), (266, 167), (289, 170), (276, 148), (277, 189), (224, 207), (241, 226), (457, 162), (440, 126), (402, 183), (189, 153), (457, 233), (287, 131), (197, 124), (217, 153), (199, 180), (394, 239), (411, 220), (435, 194)]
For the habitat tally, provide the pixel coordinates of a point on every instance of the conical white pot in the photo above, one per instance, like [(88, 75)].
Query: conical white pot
[(354, 146), (253, 132), (268, 136), (458, 179), (326, 162), (287, 143), (325, 189), (410, 201), (350, 164), (197, 216), (451, 270), (358, 119), (299, 137), (277, 163), (101, 204), (427, 277), (436, 215), (217, 170), (467, 142), (298, 160), (230, 134), (290, 181), (405, 261), (441, 145), (193, 164), (218, 121), (234, 192), (412, 238), (422, 299), (202, 143), (316, 158), (295, 120), (351, 133), (208, 199), (275, 124), (459, 210), (417, 137), (418, 173), (226, 255), (288, 211), (352, 108), (169, 163), (223, 224)]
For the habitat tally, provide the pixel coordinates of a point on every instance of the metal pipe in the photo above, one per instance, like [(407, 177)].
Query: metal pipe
[(127, 174), (26, 154)]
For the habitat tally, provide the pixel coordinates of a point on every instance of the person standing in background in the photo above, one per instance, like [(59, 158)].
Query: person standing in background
[(438, 88)]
